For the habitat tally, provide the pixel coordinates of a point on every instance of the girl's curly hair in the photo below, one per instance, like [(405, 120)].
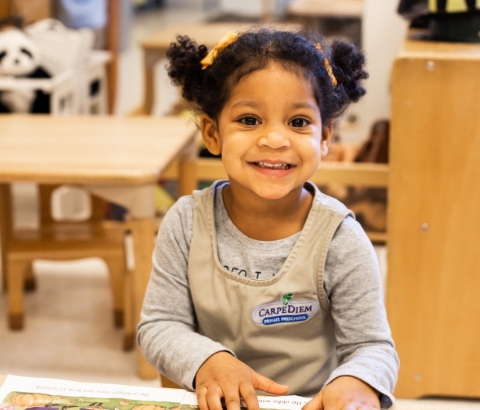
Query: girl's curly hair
[(210, 89)]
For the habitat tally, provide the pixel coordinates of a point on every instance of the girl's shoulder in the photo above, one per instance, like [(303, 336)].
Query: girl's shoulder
[(350, 230), (178, 220), (181, 209), (350, 240), (332, 204)]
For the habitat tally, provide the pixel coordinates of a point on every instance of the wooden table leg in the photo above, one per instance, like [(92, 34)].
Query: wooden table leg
[(152, 57), (143, 231), (16, 275), (129, 324), (13, 272), (187, 181), (5, 228)]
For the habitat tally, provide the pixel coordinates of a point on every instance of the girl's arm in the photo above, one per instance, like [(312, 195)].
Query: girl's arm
[(166, 333), (365, 348)]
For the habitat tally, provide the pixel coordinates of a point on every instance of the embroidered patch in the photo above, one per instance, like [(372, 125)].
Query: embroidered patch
[(286, 310)]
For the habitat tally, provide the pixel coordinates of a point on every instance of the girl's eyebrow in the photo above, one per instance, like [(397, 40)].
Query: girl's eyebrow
[(247, 103), (294, 105), (304, 105)]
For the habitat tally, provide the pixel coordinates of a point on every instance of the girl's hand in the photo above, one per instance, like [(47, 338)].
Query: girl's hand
[(224, 376), (347, 393)]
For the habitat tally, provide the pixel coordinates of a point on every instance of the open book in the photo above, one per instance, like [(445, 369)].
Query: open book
[(30, 393)]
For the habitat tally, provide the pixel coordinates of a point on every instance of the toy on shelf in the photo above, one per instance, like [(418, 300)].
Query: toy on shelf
[(20, 57), (64, 49), (49, 68), (67, 49)]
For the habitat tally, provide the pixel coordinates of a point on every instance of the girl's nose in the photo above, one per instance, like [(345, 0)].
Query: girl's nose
[(274, 139)]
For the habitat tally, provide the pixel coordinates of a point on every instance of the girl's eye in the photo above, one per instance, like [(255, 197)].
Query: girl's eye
[(249, 121), (299, 122)]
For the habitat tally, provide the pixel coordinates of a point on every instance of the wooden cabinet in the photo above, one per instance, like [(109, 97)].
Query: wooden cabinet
[(433, 300)]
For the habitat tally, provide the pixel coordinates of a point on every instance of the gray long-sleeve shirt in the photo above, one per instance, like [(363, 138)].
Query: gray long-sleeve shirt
[(166, 333)]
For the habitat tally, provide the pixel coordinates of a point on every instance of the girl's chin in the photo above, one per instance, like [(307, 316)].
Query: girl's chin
[(268, 191), (272, 194)]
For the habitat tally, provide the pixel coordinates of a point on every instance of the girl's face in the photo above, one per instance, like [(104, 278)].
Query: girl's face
[(269, 133)]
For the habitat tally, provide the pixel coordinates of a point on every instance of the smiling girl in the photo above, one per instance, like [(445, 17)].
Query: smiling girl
[(263, 282)]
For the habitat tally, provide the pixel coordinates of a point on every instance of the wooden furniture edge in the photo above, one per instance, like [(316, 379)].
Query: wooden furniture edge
[(437, 55), (88, 179)]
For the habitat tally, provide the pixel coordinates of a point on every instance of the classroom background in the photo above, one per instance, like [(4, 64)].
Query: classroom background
[(404, 159)]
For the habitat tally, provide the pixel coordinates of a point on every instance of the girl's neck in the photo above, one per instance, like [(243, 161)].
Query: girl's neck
[(266, 219)]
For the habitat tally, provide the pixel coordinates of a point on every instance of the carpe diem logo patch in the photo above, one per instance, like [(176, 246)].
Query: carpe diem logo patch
[(286, 310)]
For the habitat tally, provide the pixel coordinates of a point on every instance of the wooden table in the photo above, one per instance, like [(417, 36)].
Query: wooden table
[(118, 159)]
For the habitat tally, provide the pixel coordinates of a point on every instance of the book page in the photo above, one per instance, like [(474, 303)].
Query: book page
[(30, 393), (265, 402)]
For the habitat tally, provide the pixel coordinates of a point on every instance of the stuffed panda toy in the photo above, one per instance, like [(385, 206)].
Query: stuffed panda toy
[(20, 57)]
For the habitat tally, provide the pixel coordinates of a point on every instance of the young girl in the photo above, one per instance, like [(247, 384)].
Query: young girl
[(263, 282)]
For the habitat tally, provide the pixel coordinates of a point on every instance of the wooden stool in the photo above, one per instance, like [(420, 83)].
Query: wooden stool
[(60, 241)]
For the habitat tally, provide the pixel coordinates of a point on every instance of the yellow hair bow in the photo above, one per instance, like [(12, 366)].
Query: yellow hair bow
[(225, 41), (318, 46)]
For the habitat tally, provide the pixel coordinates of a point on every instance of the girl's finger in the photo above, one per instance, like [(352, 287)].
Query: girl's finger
[(316, 403), (267, 385), (214, 397), (202, 398), (231, 397), (249, 396)]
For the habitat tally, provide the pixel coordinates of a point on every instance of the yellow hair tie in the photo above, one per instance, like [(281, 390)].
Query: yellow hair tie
[(318, 46), (225, 41)]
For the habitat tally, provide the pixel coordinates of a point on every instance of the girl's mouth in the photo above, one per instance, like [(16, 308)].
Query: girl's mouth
[(272, 166)]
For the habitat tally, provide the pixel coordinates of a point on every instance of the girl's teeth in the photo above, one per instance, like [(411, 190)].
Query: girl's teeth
[(273, 166)]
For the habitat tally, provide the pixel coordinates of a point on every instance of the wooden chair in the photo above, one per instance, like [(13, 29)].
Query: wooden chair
[(59, 241)]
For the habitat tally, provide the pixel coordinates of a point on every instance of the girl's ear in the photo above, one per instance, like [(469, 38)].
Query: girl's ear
[(327, 133), (210, 135)]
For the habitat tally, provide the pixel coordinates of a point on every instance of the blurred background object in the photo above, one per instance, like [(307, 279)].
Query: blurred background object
[(445, 20)]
